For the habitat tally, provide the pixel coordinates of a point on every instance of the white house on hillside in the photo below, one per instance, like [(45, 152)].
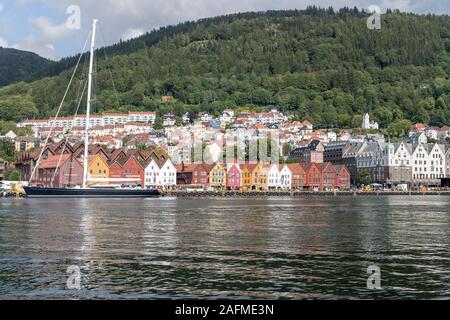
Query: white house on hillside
[(367, 124)]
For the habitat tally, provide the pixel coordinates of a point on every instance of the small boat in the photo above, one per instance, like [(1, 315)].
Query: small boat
[(86, 191)]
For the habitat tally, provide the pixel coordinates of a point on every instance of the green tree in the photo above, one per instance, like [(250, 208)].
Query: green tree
[(13, 175), (364, 178)]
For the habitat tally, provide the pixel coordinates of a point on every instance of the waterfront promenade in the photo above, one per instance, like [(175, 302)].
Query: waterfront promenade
[(281, 193), (231, 194)]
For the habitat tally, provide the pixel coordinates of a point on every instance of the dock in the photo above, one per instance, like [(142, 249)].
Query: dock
[(250, 194)]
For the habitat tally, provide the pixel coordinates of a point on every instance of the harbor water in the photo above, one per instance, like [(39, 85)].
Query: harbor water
[(281, 247)]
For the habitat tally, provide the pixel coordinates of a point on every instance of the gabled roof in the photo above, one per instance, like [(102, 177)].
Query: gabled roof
[(338, 168), (53, 161), (324, 166), (186, 168), (250, 167), (295, 167)]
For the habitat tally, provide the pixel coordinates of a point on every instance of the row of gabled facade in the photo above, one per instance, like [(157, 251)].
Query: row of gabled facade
[(415, 164), (61, 165), (264, 177)]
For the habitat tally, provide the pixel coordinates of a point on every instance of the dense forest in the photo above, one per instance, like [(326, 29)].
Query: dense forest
[(16, 65), (319, 64)]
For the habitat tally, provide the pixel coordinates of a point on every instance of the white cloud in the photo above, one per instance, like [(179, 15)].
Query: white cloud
[(44, 35), (37, 46), (3, 43), (402, 5), (49, 31)]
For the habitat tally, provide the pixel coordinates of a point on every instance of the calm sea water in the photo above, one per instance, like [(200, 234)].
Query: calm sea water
[(305, 248)]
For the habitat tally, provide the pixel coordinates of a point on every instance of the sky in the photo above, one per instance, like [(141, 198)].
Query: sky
[(41, 26)]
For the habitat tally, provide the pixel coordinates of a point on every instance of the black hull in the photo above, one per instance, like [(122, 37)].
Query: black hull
[(89, 193)]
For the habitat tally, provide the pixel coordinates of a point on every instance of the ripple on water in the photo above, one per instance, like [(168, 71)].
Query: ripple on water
[(312, 247)]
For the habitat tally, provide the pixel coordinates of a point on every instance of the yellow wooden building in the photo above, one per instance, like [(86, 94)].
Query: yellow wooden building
[(247, 180), (98, 169), (218, 177), (259, 177)]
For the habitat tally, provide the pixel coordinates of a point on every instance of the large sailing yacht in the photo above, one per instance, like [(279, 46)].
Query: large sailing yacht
[(85, 191)]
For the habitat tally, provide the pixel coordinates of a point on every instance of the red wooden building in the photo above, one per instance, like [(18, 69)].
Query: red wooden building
[(234, 178), (133, 169), (298, 176), (200, 175), (313, 176), (59, 171), (343, 180), (328, 176), (116, 171)]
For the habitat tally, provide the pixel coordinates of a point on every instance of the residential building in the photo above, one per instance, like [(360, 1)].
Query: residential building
[(247, 182), (418, 137), (273, 177), (285, 177), (328, 176), (134, 170), (298, 174), (152, 172), (432, 133), (206, 117), (167, 174), (260, 177), (23, 144), (342, 177), (313, 176), (234, 177), (98, 170), (169, 120), (218, 177), (145, 117), (185, 174)]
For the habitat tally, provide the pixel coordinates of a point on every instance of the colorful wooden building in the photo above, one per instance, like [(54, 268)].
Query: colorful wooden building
[(298, 176), (59, 171), (313, 176), (247, 181), (98, 170), (234, 177), (328, 176), (343, 179), (218, 177)]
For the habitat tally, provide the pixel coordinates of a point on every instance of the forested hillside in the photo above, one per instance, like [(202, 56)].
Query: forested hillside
[(322, 65), (16, 65)]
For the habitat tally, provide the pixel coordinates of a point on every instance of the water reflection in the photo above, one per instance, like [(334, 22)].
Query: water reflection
[(259, 248)]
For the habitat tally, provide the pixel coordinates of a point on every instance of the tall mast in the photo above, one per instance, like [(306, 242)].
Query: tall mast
[(88, 109)]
